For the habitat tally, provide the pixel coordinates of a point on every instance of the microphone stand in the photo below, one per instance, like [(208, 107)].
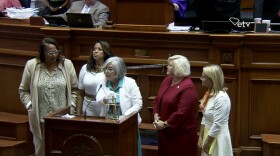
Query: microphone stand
[(93, 99), (85, 112)]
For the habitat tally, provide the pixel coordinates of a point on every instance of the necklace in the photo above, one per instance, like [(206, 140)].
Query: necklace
[(175, 82), (98, 69)]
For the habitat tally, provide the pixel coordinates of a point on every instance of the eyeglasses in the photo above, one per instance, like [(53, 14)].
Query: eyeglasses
[(109, 70), (54, 52)]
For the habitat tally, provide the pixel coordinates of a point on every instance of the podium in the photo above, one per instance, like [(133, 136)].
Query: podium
[(90, 136)]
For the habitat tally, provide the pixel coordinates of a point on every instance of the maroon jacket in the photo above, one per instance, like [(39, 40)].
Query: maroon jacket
[(178, 105)]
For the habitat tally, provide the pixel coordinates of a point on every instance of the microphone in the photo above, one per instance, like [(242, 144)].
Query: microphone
[(93, 99)]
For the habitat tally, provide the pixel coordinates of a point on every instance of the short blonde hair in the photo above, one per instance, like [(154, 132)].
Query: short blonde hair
[(182, 67), (215, 73)]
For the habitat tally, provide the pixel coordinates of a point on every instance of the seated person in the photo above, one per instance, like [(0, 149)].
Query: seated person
[(98, 11), (218, 10), (55, 7), (271, 11), (8, 4), (184, 13), (179, 7), (25, 3)]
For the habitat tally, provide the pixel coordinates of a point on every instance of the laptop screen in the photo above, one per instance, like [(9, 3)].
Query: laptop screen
[(79, 20), (56, 21)]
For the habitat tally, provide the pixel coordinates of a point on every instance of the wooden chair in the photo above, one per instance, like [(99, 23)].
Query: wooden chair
[(82, 145)]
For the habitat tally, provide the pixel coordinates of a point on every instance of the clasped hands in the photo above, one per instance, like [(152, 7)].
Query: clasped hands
[(159, 124), (55, 9)]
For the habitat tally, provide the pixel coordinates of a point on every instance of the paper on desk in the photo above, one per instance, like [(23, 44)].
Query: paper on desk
[(172, 27), (68, 116)]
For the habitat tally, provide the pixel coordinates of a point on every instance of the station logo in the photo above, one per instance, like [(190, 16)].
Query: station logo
[(240, 24)]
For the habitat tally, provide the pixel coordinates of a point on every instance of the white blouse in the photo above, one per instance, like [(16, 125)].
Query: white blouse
[(90, 82)]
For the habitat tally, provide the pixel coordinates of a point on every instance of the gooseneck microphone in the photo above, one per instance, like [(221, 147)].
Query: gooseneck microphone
[(93, 99)]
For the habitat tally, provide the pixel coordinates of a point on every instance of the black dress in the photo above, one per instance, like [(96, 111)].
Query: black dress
[(54, 4)]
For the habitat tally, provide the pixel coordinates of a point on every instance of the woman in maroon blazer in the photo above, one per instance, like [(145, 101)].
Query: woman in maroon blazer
[(175, 109)]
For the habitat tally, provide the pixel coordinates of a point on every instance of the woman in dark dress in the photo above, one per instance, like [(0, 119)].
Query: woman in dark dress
[(55, 7)]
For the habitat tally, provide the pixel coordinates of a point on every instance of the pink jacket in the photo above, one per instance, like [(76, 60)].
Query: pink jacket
[(8, 4)]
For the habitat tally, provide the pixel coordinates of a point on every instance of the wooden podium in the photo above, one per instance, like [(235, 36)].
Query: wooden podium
[(90, 136)]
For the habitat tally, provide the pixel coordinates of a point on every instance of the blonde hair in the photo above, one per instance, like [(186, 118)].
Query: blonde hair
[(215, 73), (182, 67)]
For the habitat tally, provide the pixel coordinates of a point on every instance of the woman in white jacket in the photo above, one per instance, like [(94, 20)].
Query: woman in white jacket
[(214, 138), (125, 88)]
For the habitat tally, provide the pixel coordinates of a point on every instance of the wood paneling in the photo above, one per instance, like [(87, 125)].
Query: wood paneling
[(247, 3), (250, 62), (142, 12)]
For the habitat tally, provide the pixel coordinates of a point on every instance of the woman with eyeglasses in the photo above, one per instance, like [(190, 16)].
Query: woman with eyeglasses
[(124, 89), (89, 78), (49, 83)]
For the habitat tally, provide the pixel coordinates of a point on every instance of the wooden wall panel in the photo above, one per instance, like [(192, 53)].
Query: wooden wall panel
[(247, 3), (264, 111), (144, 12), (9, 82), (261, 56), (251, 76), (259, 106)]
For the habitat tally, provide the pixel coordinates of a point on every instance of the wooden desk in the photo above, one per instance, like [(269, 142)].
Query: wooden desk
[(271, 144)]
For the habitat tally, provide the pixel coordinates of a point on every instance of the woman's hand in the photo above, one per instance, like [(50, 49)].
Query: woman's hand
[(206, 148), (156, 117), (175, 6), (208, 142), (159, 125), (200, 143)]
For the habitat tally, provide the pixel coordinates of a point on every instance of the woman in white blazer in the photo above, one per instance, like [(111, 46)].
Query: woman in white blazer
[(124, 88)]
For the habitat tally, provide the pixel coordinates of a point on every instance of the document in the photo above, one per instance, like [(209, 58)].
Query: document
[(171, 27), (214, 143)]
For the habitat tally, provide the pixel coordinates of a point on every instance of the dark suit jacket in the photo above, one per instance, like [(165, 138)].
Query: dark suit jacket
[(98, 11), (220, 10), (270, 10)]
